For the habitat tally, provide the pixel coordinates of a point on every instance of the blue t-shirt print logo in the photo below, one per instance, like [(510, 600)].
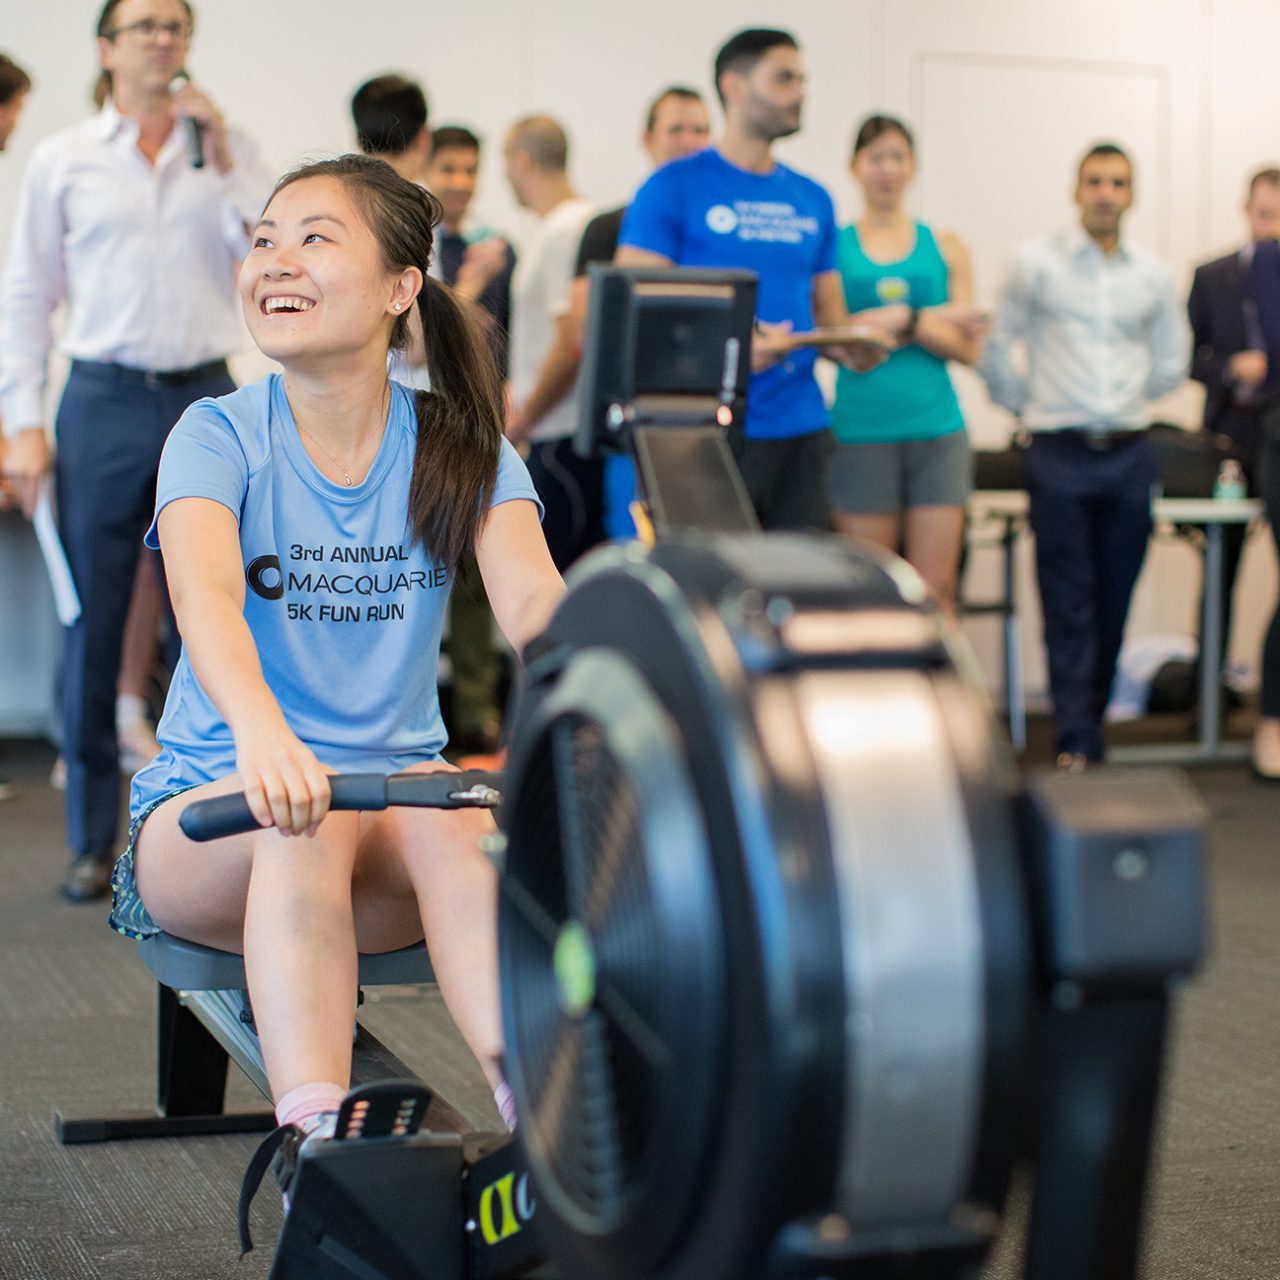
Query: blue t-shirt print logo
[(764, 221), (721, 219), (264, 577)]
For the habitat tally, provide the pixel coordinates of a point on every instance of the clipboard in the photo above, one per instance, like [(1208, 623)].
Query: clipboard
[(841, 336)]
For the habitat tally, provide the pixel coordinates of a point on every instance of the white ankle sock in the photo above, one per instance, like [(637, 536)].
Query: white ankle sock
[(506, 1101), (306, 1105)]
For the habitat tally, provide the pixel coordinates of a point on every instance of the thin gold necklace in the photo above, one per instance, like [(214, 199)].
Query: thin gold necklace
[(347, 477)]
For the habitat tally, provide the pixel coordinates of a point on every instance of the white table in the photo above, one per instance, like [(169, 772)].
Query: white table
[(1008, 507)]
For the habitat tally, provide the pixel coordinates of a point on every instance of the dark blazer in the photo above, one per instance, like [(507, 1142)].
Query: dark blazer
[(1216, 311)]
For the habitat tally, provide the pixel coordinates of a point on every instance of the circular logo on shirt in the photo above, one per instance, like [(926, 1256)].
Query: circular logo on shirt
[(892, 289), (721, 219), (264, 576)]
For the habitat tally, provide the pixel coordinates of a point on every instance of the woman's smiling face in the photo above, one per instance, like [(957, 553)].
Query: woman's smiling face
[(314, 282)]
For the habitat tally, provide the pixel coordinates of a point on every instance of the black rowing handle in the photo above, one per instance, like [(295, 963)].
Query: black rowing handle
[(229, 815)]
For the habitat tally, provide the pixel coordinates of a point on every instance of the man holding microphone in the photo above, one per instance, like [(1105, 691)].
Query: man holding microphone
[(139, 232)]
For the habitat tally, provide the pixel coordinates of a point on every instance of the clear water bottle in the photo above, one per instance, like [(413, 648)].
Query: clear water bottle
[(1231, 482)]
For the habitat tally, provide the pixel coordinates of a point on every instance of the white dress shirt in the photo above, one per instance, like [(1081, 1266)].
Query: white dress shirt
[(1103, 333), (539, 297), (144, 256)]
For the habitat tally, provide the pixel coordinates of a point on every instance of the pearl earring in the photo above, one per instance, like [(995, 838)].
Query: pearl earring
[(396, 307)]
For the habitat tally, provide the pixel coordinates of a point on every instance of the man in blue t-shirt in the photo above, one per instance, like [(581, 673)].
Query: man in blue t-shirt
[(734, 205)]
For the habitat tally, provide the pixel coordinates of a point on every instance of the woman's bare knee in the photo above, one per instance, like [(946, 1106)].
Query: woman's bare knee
[(199, 891), (882, 529), (193, 891)]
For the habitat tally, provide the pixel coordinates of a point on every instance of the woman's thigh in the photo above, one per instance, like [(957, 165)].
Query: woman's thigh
[(198, 891), (884, 530), (194, 891), (935, 536), (404, 855)]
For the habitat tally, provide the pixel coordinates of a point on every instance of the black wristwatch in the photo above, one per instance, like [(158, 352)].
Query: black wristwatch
[(912, 320)]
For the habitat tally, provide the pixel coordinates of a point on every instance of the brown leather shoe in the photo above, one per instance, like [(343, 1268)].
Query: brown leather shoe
[(88, 878)]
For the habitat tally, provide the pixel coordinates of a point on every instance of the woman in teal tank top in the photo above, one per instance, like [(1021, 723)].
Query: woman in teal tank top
[(901, 474)]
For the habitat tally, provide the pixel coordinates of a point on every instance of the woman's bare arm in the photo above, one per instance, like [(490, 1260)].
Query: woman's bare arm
[(521, 581), (284, 783)]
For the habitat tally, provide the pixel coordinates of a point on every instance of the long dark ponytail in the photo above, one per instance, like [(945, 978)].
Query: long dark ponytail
[(455, 466), (455, 463)]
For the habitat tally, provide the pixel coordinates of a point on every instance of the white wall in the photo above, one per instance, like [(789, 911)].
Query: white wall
[(1004, 95)]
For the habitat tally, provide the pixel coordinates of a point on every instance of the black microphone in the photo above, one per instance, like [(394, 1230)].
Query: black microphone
[(195, 143)]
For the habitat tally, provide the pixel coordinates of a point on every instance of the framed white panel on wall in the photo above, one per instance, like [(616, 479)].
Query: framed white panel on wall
[(999, 140)]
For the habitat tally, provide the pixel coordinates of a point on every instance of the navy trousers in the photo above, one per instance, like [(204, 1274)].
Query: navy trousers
[(111, 428), (1091, 515)]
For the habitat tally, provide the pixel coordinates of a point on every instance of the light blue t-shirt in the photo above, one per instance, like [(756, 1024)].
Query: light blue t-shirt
[(344, 606), (703, 211)]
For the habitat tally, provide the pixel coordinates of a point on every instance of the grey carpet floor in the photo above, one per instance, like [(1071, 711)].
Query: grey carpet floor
[(77, 1034)]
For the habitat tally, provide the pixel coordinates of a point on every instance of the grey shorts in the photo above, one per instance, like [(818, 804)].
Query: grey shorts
[(881, 478)]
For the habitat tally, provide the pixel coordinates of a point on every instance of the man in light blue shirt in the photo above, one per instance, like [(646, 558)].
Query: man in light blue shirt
[(1103, 334)]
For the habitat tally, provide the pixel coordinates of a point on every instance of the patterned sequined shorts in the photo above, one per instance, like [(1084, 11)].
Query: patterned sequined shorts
[(128, 915)]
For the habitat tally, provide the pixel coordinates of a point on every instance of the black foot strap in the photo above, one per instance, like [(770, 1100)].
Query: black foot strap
[(254, 1174), (382, 1109)]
